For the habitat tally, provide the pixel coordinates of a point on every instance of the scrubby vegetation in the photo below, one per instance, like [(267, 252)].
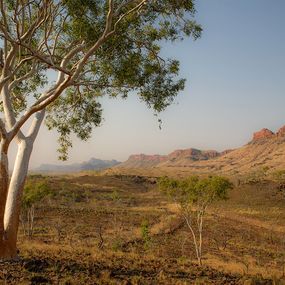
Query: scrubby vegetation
[(194, 195), (92, 229)]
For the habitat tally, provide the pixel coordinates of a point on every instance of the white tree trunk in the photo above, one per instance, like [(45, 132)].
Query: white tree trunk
[(12, 204)]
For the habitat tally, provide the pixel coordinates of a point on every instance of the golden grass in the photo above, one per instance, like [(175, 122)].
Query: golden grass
[(254, 244)]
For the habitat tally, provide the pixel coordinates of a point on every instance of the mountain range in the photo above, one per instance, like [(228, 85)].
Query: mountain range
[(92, 164), (265, 150)]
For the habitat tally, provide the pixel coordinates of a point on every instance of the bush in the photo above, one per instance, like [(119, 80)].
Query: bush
[(34, 192), (194, 195)]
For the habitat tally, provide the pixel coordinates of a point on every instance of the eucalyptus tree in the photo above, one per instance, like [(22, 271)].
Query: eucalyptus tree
[(92, 48), (193, 196)]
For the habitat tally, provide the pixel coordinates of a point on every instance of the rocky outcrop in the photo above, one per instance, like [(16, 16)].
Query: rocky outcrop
[(263, 134), (211, 154), (188, 155), (195, 158), (151, 158), (143, 160), (226, 151), (179, 153), (281, 132), (193, 154)]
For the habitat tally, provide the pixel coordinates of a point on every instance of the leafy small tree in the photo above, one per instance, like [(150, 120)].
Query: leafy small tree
[(194, 195), (33, 194)]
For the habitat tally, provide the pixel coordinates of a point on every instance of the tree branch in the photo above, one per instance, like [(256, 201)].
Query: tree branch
[(36, 124)]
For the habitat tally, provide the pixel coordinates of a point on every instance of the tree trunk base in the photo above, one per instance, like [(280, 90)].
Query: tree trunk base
[(8, 250)]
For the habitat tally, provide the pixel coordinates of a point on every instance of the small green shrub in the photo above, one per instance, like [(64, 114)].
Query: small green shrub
[(194, 195), (34, 192), (145, 233)]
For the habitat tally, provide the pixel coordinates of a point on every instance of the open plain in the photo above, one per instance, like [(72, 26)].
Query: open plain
[(119, 229)]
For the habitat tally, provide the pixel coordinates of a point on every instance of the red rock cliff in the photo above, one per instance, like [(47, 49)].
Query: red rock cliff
[(281, 132), (264, 133)]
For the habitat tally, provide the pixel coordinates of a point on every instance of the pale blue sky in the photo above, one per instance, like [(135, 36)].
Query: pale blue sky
[(235, 86)]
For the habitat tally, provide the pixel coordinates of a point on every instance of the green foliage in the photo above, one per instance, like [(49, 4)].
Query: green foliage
[(258, 175), (145, 233), (265, 169), (117, 244), (194, 195), (35, 192), (195, 190), (279, 175), (79, 119), (115, 196), (129, 61)]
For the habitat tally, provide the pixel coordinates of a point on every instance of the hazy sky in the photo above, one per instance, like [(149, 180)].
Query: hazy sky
[(235, 86)]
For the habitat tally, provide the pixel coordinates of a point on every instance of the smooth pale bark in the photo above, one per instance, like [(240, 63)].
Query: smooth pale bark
[(194, 240), (13, 61), (12, 203)]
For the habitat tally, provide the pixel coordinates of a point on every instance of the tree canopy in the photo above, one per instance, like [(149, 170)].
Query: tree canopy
[(59, 57), (196, 191), (193, 195), (95, 48)]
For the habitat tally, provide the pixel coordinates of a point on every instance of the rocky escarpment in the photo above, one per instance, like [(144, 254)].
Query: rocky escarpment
[(281, 132), (265, 134), (262, 134), (143, 160), (266, 148), (190, 155)]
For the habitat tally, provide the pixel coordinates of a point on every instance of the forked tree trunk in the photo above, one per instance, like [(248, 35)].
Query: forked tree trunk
[(14, 189), (197, 242), (8, 248)]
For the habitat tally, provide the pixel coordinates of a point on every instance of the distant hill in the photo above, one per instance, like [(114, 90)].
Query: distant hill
[(265, 150), (143, 160), (92, 164), (177, 156)]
